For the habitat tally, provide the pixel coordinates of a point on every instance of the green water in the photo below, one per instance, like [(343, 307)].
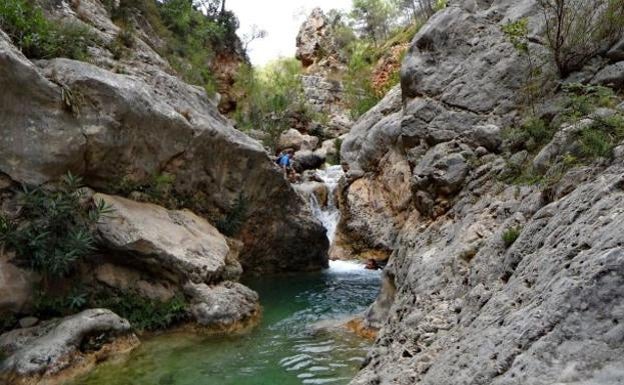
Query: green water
[(297, 342)]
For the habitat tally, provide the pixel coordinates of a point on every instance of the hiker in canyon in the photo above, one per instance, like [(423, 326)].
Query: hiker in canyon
[(481, 203), (285, 162)]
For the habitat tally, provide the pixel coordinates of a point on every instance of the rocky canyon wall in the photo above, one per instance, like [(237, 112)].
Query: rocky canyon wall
[(128, 120), (427, 187)]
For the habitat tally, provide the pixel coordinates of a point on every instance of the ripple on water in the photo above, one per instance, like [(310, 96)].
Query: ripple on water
[(298, 341)]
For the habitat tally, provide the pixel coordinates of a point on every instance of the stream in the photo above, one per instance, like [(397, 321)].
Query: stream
[(300, 339)]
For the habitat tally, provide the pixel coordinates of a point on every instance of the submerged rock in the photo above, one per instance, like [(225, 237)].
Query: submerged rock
[(58, 349)]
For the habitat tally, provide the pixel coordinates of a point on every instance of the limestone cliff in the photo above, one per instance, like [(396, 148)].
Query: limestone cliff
[(464, 301), (128, 120)]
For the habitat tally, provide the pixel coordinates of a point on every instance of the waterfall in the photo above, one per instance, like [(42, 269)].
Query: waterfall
[(328, 215)]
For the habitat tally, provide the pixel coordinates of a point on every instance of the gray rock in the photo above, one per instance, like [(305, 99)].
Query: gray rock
[(493, 319), (612, 76), (373, 133), (132, 127), (170, 243), (307, 160), (16, 287), (224, 306), (519, 158), (293, 139), (616, 53), (488, 136), (75, 342), (28, 322), (442, 170)]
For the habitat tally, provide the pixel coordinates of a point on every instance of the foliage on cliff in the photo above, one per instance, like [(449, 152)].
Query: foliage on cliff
[(273, 98), (194, 32), (40, 38)]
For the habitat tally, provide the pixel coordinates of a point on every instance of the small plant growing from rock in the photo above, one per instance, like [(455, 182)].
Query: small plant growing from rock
[(518, 35), (582, 100), (511, 235)]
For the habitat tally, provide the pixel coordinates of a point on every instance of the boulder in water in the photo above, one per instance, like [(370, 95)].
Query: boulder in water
[(228, 306)]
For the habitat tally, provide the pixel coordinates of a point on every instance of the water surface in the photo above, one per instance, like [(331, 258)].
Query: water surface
[(297, 342)]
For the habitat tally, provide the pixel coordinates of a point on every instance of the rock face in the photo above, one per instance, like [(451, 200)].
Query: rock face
[(315, 41), (64, 347), (462, 303), (176, 241), (67, 115), (319, 54)]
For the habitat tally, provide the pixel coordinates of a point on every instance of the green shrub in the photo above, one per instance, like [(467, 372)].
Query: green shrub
[(273, 98), (532, 135), (510, 236), (39, 38), (582, 100), (600, 138), (143, 313), (59, 304), (595, 143), (54, 228), (518, 35), (7, 322), (359, 91), (335, 159)]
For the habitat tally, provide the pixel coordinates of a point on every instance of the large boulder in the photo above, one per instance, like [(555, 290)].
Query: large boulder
[(228, 306), (293, 139), (69, 346), (178, 242), (111, 128), (307, 160)]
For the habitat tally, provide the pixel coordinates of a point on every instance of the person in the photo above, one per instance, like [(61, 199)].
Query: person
[(285, 162)]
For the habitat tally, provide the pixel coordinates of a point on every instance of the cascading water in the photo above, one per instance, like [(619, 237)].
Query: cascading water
[(299, 341), (329, 215)]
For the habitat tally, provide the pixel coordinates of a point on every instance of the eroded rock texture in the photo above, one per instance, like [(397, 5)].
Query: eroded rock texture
[(459, 304)]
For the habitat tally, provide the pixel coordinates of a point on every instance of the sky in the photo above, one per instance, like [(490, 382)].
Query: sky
[(281, 19)]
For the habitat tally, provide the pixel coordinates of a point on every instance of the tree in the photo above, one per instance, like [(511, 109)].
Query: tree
[(372, 18), (576, 30), (419, 9), (254, 33)]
